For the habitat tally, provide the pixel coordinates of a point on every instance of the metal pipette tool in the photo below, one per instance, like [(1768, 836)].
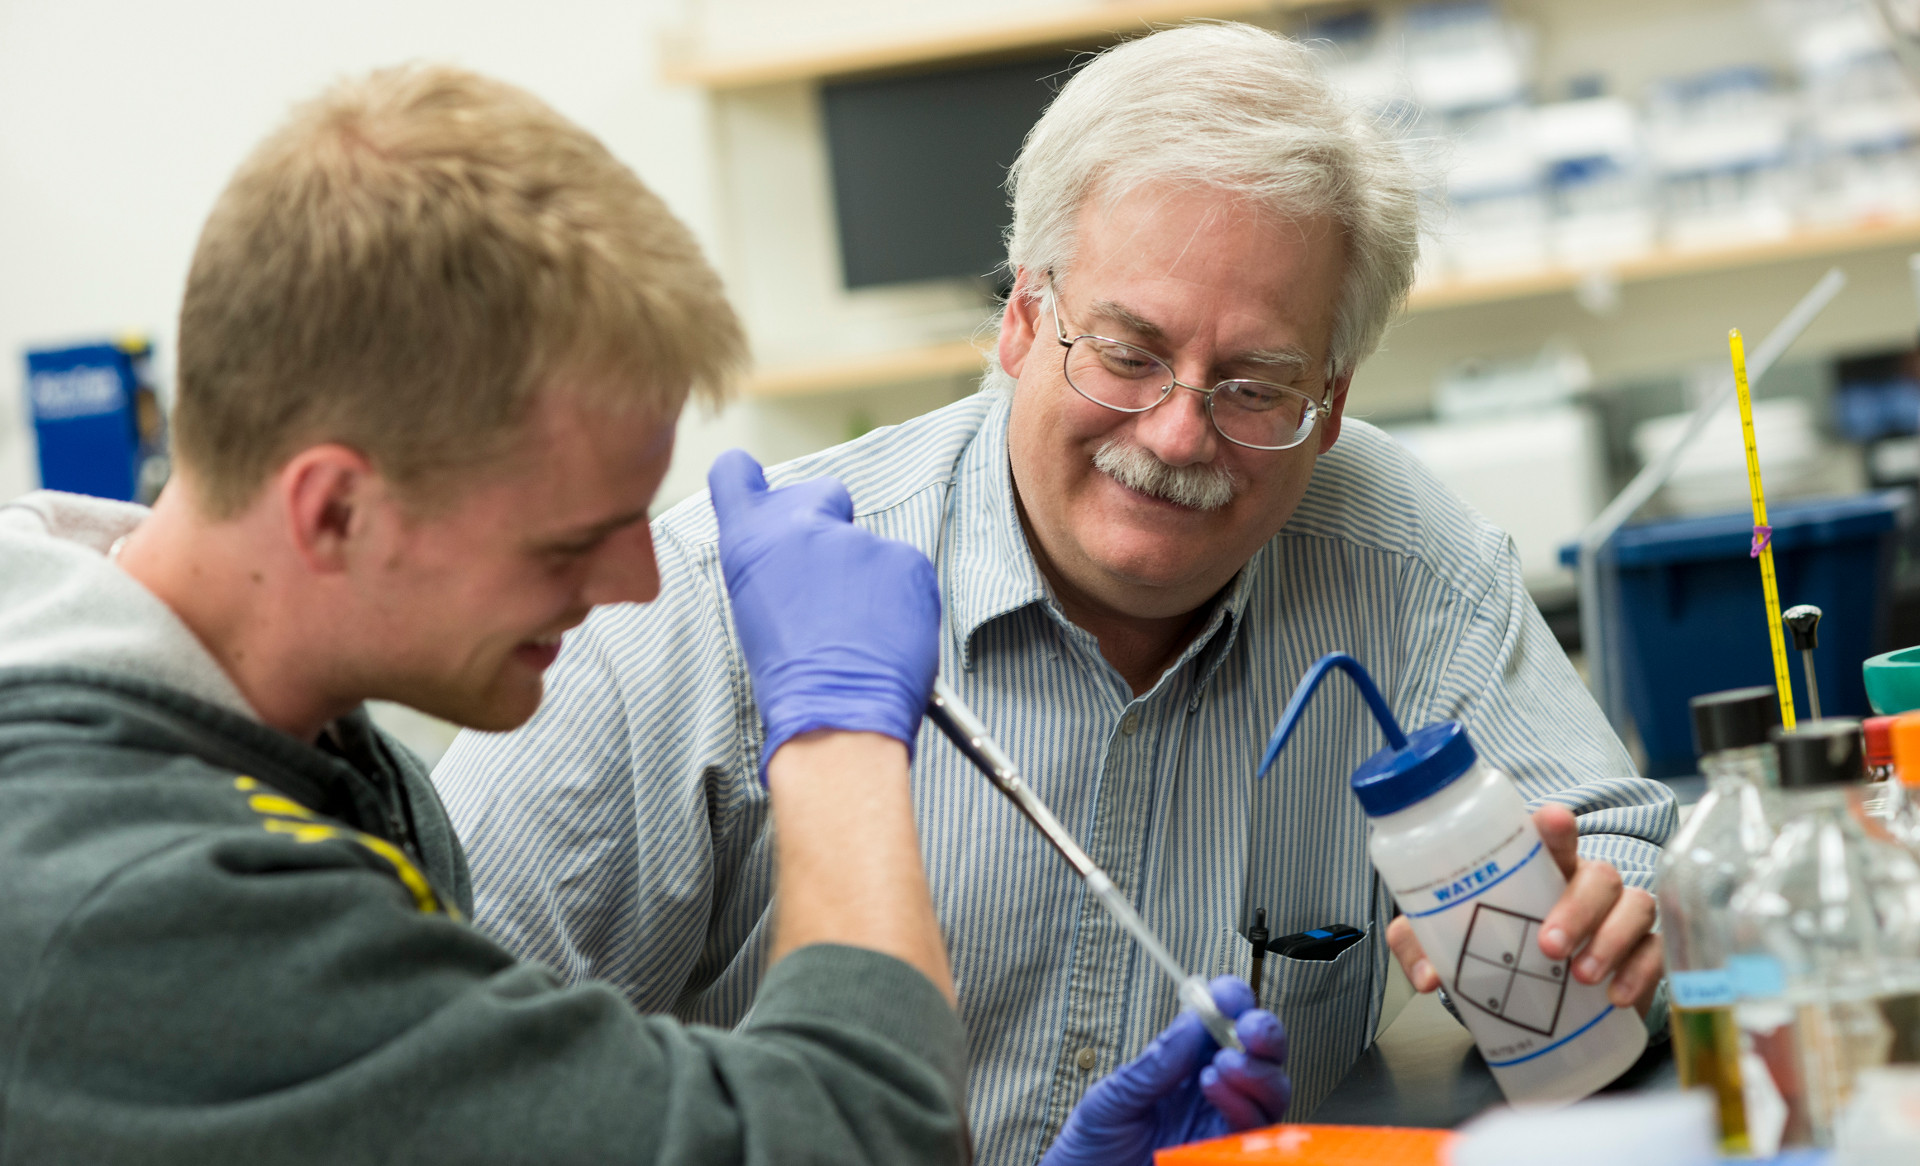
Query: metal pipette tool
[(966, 731), (1804, 622)]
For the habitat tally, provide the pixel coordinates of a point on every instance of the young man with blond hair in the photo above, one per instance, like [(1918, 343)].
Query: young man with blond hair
[(434, 343), (432, 350)]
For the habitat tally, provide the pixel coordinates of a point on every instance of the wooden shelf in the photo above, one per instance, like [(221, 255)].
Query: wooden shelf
[(957, 358), (1665, 263), (1046, 28), (962, 358)]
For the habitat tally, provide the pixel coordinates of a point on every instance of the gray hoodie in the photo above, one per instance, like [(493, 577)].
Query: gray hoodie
[(219, 944)]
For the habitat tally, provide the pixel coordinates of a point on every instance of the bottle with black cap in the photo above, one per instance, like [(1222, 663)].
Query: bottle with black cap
[(1724, 838), (1828, 933)]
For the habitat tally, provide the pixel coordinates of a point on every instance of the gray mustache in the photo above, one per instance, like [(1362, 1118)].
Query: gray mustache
[(1195, 487)]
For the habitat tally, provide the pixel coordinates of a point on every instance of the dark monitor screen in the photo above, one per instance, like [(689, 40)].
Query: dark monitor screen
[(919, 164)]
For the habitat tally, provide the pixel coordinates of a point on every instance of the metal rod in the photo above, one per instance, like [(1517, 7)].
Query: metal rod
[(965, 729), (1813, 686), (1606, 687)]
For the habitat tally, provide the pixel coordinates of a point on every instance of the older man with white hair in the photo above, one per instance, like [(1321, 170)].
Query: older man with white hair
[(1151, 523)]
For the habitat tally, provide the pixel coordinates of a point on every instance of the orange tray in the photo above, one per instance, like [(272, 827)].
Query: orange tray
[(1307, 1145)]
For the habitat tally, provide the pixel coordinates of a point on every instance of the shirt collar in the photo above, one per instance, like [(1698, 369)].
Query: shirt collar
[(990, 569)]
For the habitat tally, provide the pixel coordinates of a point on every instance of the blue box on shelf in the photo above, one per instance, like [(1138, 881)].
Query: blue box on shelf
[(1693, 618), (85, 418)]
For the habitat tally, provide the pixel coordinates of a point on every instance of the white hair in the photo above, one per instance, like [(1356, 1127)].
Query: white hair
[(1234, 108)]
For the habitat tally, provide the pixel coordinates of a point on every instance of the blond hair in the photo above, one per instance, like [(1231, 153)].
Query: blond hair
[(406, 263)]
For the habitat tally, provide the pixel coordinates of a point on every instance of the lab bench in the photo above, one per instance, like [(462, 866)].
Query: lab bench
[(1425, 1071)]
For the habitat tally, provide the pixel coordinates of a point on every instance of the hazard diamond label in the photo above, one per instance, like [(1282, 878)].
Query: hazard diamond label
[(1502, 970)]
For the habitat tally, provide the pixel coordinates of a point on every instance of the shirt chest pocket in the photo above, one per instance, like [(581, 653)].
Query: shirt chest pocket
[(1327, 1006)]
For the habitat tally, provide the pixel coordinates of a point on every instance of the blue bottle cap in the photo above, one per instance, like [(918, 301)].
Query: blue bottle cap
[(1393, 779)]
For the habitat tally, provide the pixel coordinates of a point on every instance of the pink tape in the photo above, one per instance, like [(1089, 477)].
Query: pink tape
[(1762, 535)]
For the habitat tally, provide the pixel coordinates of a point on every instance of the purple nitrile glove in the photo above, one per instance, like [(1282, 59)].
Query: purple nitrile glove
[(840, 627), (1183, 1088)]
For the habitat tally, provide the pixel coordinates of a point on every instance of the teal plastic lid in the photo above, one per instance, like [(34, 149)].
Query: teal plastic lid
[(1893, 681)]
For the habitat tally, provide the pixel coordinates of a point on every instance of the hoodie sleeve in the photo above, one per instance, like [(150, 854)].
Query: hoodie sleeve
[(264, 997)]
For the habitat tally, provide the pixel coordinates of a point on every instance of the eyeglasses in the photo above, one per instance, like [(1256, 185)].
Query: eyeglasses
[(1118, 376)]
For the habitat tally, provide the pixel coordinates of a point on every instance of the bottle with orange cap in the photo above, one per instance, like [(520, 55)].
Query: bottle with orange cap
[(1877, 732), (1899, 804)]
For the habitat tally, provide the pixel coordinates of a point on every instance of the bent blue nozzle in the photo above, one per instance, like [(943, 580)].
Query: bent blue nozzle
[(1305, 691)]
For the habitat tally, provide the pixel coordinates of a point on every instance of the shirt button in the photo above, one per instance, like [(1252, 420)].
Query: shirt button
[(1129, 724), (1086, 1059)]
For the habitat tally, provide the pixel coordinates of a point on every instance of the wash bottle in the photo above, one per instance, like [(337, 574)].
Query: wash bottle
[(1453, 841)]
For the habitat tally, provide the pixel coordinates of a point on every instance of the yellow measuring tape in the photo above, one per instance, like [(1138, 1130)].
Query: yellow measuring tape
[(1762, 533)]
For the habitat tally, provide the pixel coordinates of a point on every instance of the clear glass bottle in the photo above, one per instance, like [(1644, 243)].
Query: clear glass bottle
[(1828, 936), (1724, 838)]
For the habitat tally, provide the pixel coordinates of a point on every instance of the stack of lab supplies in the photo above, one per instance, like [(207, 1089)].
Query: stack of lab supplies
[(1534, 173), (1862, 112)]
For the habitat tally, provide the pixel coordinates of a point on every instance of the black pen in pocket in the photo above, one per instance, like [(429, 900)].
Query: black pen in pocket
[(1257, 936)]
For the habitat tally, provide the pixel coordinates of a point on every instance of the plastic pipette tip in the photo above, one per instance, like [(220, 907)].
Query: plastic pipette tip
[(1194, 994)]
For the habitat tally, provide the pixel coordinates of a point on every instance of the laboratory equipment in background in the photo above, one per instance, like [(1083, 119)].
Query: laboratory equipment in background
[(1555, 453), (1514, 440), (1581, 179), (1892, 681), (1674, 1129), (1881, 1127), (1454, 842), (1498, 210), (1877, 733), (1899, 802), (1798, 461), (1598, 179), (97, 420), (1361, 63), (1691, 618), (1876, 405), (1861, 113), (1720, 141), (1468, 71), (1724, 839), (1464, 55), (1802, 621), (1883, 787), (1828, 939)]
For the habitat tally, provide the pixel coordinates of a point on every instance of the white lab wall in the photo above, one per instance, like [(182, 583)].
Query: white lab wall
[(120, 122)]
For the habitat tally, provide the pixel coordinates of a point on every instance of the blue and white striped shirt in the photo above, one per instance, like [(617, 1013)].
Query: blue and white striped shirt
[(623, 835)]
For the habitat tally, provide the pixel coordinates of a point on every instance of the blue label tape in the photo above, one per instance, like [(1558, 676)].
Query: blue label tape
[(1704, 988)]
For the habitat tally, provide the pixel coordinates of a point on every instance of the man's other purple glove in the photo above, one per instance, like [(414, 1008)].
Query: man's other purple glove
[(1183, 1088), (840, 627)]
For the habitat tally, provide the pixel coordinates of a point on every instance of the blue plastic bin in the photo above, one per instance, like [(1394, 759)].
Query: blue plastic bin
[(1693, 617)]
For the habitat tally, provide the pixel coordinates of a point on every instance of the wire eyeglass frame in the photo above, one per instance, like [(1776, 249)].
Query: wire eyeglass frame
[(1314, 410)]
